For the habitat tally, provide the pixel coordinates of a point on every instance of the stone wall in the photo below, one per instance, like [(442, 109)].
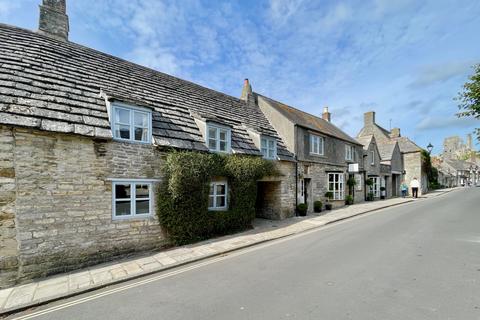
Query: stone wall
[(413, 168), (277, 194), (317, 183), (8, 241), (64, 200)]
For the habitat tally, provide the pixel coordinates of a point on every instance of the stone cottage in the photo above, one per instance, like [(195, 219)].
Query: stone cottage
[(383, 164), (324, 153), (83, 136), (411, 153)]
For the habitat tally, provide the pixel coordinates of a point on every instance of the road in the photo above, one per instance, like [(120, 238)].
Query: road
[(416, 261)]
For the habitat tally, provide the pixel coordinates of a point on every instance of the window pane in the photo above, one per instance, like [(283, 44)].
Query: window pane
[(264, 143), (122, 191), (122, 116), (141, 134), (271, 153), (210, 202), (140, 119), (264, 152), (271, 144), (221, 189), (122, 208), (223, 146), (223, 135), (212, 189), (142, 206), (141, 191), (212, 133), (331, 177), (122, 132), (220, 201), (212, 144)]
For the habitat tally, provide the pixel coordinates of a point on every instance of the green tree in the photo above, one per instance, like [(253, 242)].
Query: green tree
[(469, 98)]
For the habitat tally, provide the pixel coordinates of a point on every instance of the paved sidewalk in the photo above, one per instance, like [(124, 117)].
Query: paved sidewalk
[(65, 285)]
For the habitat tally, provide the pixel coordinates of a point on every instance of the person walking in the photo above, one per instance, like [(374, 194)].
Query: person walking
[(415, 185), (404, 189)]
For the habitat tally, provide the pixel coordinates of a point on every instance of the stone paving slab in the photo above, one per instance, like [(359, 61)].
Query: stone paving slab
[(65, 285)]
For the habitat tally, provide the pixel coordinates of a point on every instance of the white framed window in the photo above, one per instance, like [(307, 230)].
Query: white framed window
[(218, 197), (269, 147), (131, 123), (372, 156), (349, 151), (316, 144), (376, 186), (131, 199), (218, 138), (336, 185)]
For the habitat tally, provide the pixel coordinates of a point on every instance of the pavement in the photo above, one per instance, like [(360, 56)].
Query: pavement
[(62, 286)]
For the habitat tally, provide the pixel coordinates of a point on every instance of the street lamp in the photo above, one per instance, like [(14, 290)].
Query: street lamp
[(430, 148)]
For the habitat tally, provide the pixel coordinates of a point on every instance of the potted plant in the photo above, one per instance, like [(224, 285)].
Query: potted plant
[(317, 206), (370, 196), (302, 209), (329, 196), (383, 192), (348, 200)]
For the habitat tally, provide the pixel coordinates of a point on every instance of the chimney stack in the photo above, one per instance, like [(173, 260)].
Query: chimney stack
[(246, 91), (395, 133), (326, 115), (53, 19), (369, 118)]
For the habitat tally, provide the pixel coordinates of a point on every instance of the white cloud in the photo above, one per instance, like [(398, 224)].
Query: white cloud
[(432, 123)]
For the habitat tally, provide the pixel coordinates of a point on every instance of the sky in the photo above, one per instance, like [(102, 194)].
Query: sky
[(404, 59)]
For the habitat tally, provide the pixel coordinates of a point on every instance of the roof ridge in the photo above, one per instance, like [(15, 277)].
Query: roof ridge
[(74, 44)]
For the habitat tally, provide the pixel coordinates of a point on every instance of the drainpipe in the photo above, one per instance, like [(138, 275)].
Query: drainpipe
[(296, 167)]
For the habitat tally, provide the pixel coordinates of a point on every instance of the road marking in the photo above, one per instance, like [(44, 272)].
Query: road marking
[(193, 267)]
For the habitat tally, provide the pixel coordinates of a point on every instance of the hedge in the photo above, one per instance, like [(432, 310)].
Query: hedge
[(183, 196)]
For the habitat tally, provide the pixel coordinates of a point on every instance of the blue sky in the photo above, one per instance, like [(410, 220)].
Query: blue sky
[(405, 59)]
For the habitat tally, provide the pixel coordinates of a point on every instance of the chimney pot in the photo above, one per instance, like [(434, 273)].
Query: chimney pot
[(326, 115)]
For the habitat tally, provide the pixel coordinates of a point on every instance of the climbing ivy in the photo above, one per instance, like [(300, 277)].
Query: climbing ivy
[(183, 196)]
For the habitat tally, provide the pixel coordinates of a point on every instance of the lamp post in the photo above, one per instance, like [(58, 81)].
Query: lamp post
[(429, 148)]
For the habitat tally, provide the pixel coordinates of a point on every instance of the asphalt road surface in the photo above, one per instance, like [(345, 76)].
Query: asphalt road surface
[(416, 261)]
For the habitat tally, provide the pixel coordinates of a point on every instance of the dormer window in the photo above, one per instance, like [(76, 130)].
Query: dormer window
[(131, 123), (269, 148), (218, 138)]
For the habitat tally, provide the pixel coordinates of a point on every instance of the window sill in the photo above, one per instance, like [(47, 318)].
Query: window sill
[(133, 218), (132, 141)]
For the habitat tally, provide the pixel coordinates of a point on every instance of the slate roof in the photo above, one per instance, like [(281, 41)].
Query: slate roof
[(307, 120), (406, 145), (61, 86), (365, 141), (386, 149)]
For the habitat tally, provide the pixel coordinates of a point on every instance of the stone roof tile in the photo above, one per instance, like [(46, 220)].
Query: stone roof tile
[(61, 86)]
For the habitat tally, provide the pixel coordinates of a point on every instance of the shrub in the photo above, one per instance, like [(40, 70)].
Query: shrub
[(329, 195), (351, 182), (369, 182), (302, 209), (317, 206), (183, 196), (349, 199)]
